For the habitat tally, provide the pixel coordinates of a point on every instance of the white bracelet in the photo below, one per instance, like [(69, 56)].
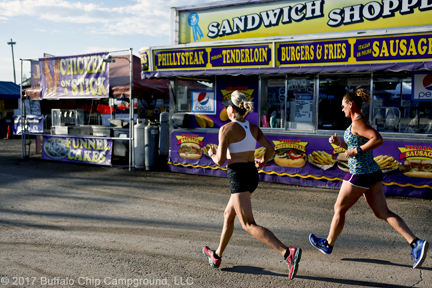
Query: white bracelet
[(211, 153)]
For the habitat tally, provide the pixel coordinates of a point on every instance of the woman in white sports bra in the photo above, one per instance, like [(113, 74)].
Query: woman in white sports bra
[(237, 143)]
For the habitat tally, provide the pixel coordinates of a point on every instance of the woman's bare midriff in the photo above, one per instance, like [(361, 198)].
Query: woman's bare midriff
[(242, 157)]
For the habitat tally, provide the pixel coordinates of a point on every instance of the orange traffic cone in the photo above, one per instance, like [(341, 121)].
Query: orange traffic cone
[(9, 132)]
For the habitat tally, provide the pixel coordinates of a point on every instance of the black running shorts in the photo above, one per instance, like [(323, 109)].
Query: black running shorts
[(243, 177)]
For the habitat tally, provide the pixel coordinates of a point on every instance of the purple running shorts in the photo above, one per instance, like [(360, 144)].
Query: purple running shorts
[(364, 180)]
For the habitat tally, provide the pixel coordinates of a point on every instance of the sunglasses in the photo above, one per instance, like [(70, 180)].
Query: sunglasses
[(343, 106)]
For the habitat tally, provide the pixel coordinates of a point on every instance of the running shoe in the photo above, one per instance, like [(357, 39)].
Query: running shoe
[(292, 261), (319, 243), (419, 252), (210, 255)]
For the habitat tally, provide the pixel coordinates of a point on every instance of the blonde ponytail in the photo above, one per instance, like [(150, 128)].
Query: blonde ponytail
[(246, 105), (363, 95)]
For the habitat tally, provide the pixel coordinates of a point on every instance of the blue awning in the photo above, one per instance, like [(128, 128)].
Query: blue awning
[(309, 69), (9, 90)]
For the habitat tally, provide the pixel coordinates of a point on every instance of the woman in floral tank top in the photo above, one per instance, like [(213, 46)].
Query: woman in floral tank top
[(364, 178)]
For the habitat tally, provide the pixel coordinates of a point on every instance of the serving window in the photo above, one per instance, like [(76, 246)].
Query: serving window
[(393, 107), (287, 102), (295, 103), (186, 87), (332, 89), (273, 102), (391, 110)]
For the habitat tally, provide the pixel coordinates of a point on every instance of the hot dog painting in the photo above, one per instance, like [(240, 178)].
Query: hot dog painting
[(190, 150), (417, 168), (417, 161), (190, 146)]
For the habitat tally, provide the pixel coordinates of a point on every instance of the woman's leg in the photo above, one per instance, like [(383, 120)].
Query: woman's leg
[(228, 228), (376, 199), (243, 209), (348, 196)]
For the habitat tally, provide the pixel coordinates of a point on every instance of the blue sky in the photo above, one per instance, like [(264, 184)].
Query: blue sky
[(66, 27)]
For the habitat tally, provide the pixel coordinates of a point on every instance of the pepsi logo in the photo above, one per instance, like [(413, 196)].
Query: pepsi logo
[(427, 82), (203, 98)]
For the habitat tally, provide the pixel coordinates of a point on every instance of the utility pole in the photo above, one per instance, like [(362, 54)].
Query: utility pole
[(13, 60)]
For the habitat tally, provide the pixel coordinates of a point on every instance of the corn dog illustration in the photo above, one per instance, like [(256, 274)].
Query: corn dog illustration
[(56, 75), (48, 78)]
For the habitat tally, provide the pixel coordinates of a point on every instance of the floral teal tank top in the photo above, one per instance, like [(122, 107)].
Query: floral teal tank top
[(362, 163)]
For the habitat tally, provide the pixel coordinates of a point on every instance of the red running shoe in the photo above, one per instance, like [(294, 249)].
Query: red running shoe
[(210, 255), (293, 260)]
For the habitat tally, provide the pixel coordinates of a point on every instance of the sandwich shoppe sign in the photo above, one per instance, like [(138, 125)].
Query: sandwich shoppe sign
[(86, 150), (346, 51), (283, 18)]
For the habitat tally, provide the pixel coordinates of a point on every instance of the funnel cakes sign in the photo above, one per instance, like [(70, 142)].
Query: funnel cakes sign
[(79, 76), (85, 150)]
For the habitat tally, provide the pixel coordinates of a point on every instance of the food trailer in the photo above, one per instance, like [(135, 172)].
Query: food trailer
[(76, 127), (296, 60)]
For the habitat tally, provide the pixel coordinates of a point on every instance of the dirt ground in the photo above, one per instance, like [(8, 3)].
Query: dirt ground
[(71, 225)]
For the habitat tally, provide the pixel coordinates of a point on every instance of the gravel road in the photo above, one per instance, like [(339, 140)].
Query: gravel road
[(71, 225)]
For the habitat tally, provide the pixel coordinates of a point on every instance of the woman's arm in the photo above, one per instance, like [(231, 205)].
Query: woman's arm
[(363, 129), (262, 139), (335, 140), (219, 156)]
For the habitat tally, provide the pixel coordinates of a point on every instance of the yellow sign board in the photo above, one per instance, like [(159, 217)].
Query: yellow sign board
[(287, 18), (258, 55), (381, 49)]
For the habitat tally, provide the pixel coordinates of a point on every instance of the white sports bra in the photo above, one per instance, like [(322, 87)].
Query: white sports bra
[(247, 144)]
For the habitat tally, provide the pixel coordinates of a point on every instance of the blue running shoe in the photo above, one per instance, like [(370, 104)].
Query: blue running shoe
[(319, 244), (419, 252)]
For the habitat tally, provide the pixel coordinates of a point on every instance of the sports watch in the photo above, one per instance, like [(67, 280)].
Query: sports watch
[(359, 150)]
